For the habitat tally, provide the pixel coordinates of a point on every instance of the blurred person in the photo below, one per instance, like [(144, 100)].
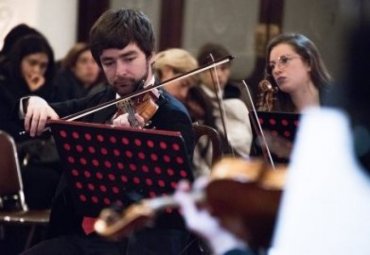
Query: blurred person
[(220, 240), (325, 200), (174, 62), (27, 68), (79, 74)]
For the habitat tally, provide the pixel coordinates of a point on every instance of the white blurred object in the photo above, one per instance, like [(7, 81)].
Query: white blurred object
[(326, 205)]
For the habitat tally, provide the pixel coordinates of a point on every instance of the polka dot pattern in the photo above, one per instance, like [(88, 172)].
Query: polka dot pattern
[(108, 165), (278, 125)]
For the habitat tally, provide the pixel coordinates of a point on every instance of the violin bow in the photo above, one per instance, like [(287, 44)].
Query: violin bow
[(255, 121), (102, 106), (217, 89)]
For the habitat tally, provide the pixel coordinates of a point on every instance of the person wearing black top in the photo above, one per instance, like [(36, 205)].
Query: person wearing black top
[(79, 74), (27, 68)]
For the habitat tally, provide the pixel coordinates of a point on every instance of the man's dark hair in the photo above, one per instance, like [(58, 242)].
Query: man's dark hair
[(118, 28)]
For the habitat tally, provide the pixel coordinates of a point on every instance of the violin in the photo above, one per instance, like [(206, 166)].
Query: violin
[(244, 190), (267, 96), (247, 207), (145, 105), (260, 134)]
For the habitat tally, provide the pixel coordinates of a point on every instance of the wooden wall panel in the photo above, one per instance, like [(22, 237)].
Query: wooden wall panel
[(231, 23)]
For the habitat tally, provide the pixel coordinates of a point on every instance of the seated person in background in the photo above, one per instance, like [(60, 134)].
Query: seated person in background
[(296, 75), (204, 106), (230, 89), (174, 62), (27, 68), (79, 74)]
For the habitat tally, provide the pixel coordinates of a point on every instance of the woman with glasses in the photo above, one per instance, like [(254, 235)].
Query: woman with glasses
[(296, 74)]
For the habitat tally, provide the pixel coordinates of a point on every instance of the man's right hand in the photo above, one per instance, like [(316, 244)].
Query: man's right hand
[(37, 113)]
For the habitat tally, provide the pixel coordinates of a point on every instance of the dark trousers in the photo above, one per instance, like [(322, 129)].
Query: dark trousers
[(40, 183)]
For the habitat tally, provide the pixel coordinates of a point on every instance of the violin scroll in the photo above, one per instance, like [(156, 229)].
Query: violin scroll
[(267, 96)]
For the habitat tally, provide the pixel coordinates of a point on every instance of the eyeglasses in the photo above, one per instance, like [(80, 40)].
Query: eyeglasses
[(282, 62)]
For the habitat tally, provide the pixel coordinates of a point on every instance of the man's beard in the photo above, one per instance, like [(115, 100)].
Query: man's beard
[(131, 85)]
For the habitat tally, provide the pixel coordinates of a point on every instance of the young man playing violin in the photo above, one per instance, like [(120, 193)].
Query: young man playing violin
[(122, 43)]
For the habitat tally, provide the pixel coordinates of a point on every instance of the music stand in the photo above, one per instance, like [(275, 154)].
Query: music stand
[(107, 165), (279, 129)]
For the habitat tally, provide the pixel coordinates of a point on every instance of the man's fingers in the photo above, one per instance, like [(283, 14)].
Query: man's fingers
[(38, 112), (121, 121), (140, 120), (33, 122), (27, 122), (40, 125), (52, 115), (185, 199)]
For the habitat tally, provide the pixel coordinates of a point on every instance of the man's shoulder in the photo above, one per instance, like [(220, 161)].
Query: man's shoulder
[(171, 108), (102, 96), (170, 103)]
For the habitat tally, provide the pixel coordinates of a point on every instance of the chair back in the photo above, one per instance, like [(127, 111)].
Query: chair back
[(13, 207), (11, 181), (201, 130)]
